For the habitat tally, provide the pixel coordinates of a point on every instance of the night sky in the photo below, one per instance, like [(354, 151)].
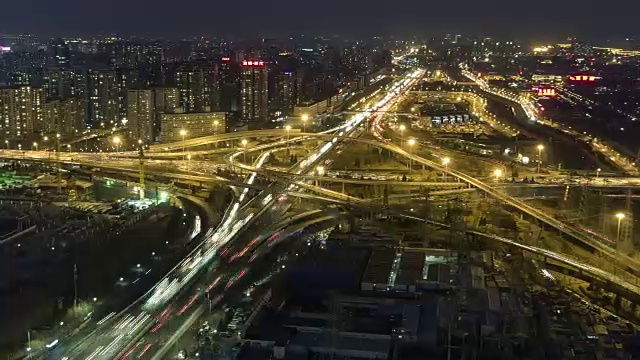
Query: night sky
[(545, 19)]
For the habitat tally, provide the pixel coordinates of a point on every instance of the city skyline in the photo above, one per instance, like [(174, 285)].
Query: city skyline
[(445, 196), (543, 21)]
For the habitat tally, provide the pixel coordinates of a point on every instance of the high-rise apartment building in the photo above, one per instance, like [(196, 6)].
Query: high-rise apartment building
[(64, 83), (228, 84), (167, 101), (126, 78), (356, 59), (21, 112), (199, 87), (145, 108), (63, 116), (254, 94), (60, 53), (284, 92), (102, 99), (141, 114)]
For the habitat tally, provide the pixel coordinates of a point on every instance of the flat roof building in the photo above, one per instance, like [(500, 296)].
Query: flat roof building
[(194, 124)]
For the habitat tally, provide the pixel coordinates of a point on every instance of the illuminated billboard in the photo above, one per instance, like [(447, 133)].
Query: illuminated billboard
[(252, 63), (547, 92), (583, 78)]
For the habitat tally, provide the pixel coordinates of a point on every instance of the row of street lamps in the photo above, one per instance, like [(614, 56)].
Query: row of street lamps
[(498, 173), (320, 170)]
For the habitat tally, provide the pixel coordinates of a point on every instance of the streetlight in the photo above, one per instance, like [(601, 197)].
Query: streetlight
[(35, 145), (304, 119), (288, 128), (498, 174), (540, 148), (6, 142), (320, 170), (445, 162), (215, 126), (620, 216), (183, 133), (244, 153), (598, 172), (188, 162), (116, 141), (411, 143), (402, 128)]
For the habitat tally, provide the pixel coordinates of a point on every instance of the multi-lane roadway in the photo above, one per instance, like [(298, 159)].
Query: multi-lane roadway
[(114, 334), (181, 289)]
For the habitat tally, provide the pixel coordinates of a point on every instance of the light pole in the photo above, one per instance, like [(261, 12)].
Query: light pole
[(445, 162), (244, 152), (58, 164), (6, 142), (288, 128), (215, 131), (304, 119), (188, 162), (320, 170), (116, 142), (619, 216), (402, 128), (141, 167), (498, 174), (411, 143), (35, 146), (540, 148), (183, 133), (45, 139), (598, 172)]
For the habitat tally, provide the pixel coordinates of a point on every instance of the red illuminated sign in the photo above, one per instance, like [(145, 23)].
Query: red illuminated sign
[(546, 92), (252, 63), (582, 78)]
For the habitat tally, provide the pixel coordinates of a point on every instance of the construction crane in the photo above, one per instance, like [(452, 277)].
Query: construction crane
[(141, 167), (59, 164)]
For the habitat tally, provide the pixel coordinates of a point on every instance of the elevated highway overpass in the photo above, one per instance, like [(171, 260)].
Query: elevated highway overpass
[(576, 267), (591, 241), (587, 239)]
